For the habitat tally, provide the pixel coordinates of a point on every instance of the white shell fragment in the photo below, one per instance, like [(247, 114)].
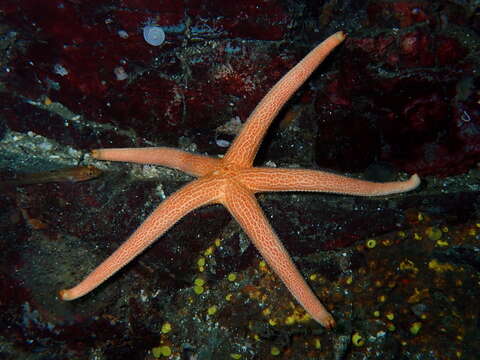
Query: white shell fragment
[(120, 73), (60, 70), (123, 34), (154, 35), (223, 143)]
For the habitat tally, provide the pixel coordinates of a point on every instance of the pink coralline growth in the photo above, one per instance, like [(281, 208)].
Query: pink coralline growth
[(416, 50)]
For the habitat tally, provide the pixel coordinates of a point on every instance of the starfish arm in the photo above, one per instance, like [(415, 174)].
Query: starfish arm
[(193, 164), (193, 195), (245, 209), (271, 179), (246, 144)]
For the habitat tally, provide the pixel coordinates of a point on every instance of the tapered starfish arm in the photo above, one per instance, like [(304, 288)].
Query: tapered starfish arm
[(193, 164), (193, 195), (246, 144), (272, 179), (245, 209)]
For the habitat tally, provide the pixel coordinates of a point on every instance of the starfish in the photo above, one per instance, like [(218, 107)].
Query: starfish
[(233, 181)]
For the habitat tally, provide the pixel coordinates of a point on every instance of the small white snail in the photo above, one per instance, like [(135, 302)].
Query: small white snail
[(154, 35)]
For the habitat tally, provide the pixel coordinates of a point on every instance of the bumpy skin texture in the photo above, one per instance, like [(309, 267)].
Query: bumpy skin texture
[(233, 182)]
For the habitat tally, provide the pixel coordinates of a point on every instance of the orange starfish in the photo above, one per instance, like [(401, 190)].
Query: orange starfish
[(233, 181)]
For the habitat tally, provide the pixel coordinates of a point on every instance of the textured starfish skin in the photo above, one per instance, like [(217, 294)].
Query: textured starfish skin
[(233, 182)]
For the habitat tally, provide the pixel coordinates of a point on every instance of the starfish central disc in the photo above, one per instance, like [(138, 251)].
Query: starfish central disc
[(227, 171)]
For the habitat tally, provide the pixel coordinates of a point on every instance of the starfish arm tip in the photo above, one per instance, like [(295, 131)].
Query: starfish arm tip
[(326, 320), (341, 35), (414, 181), (65, 295)]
